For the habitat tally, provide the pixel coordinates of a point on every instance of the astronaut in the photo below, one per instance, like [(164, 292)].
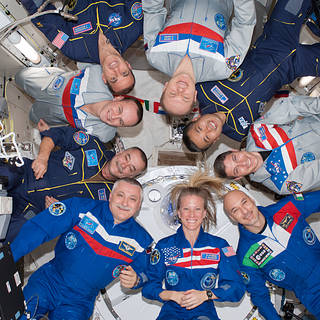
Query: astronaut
[(104, 31), (277, 58), (99, 241), (79, 98), (192, 42), (282, 151), (82, 167), (277, 245)]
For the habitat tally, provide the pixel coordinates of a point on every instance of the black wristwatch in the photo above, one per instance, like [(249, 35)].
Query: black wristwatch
[(209, 294)]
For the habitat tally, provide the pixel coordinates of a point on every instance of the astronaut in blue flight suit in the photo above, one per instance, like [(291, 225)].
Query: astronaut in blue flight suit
[(82, 167), (104, 31), (277, 245), (277, 58), (99, 241)]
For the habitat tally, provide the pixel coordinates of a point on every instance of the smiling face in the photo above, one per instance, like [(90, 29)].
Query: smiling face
[(124, 201), (179, 94), (120, 113), (206, 130), (191, 212), (117, 73), (241, 163)]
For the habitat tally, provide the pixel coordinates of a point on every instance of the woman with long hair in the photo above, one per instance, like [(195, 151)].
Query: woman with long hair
[(197, 267)]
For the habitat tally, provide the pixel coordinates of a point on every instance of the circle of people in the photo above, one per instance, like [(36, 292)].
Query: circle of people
[(204, 46)]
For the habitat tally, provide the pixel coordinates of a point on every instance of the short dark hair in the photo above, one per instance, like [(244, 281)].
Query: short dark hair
[(219, 167), (143, 157), (125, 90), (139, 108), (187, 141), (162, 104)]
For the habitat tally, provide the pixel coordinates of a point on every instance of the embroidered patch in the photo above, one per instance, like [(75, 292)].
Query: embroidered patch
[(261, 254), (102, 194), (127, 248), (219, 94), (75, 86), (245, 277), (168, 37), (81, 138), (57, 209), (228, 251), (277, 274), (261, 107), (293, 187), (136, 11), (88, 224), (87, 26), (92, 158), (220, 21), (60, 39), (243, 122), (208, 281), (68, 160), (286, 221), (262, 134), (236, 76), (155, 257), (307, 157), (78, 123), (233, 62), (58, 83), (308, 236), (210, 256), (70, 240), (172, 277), (208, 45), (171, 255), (115, 19), (117, 270)]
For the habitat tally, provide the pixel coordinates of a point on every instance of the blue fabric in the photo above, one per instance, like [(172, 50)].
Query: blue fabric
[(292, 261), (86, 260), (119, 20), (187, 276), (276, 59)]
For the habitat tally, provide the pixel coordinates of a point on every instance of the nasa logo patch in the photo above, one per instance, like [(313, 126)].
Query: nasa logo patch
[(136, 11), (172, 277), (208, 281), (57, 209), (220, 21), (70, 240), (308, 236), (277, 274), (81, 138), (115, 19)]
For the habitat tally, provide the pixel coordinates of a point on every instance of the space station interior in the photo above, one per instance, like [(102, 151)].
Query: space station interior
[(159, 135)]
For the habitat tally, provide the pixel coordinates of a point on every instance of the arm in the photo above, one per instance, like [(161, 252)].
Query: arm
[(285, 110), (259, 293), (154, 15), (237, 41), (44, 227)]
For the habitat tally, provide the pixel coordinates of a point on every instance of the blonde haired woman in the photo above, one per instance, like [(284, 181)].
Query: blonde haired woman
[(191, 260)]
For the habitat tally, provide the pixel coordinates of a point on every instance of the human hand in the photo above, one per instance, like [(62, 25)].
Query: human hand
[(49, 201), (39, 167), (177, 296), (193, 298), (42, 125), (128, 277)]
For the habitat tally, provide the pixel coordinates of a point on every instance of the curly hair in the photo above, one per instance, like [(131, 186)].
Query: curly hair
[(202, 185)]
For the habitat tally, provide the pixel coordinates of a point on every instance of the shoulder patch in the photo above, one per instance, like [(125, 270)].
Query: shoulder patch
[(228, 251), (155, 257), (172, 277), (136, 11), (115, 19), (70, 240), (57, 209), (220, 21), (208, 281), (81, 138)]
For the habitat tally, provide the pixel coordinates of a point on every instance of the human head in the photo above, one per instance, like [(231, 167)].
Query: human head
[(179, 95), (203, 131), (117, 74), (122, 112), (242, 209), (128, 163), (237, 164), (125, 199)]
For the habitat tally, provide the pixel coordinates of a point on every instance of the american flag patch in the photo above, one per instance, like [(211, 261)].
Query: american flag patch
[(228, 251), (60, 39)]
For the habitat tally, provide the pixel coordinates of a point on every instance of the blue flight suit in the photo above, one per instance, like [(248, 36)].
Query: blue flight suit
[(276, 59), (72, 171), (90, 253), (120, 21), (286, 253), (185, 268)]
